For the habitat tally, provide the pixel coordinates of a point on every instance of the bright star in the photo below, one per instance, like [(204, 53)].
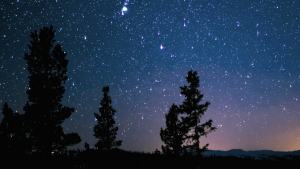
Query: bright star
[(124, 9), (161, 46)]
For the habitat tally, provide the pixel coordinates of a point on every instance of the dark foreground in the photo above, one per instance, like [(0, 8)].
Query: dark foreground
[(124, 159)]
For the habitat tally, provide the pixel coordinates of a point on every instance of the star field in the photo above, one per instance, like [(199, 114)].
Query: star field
[(245, 52)]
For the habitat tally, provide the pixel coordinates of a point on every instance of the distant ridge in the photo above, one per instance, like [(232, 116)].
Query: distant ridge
[(253, 153)]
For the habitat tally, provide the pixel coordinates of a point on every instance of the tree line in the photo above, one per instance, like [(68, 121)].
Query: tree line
[(39, 128)]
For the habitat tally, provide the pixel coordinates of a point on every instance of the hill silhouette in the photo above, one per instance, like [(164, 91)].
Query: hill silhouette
[(257, 154)]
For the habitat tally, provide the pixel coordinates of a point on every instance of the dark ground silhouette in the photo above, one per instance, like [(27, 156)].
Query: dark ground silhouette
[(118, 158)]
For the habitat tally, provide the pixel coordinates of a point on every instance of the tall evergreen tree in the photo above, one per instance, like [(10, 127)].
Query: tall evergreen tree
[(86, 146), (194, 111), (174, 135), (45, 114), (6, 129), (104, 130)]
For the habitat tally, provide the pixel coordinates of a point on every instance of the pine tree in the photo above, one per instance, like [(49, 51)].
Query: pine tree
[(104, 130), (45, 114), (6, 129), (157, 152), (86, 146), (174, 135), (194, 110)]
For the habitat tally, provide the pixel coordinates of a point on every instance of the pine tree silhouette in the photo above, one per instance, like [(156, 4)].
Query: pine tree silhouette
[(157, 152), (174, 135), (194, 110), (6, 129), (104, 130), (86, 146), (45, 114)]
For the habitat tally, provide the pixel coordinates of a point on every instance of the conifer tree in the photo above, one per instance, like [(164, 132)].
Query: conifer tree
[(194, 111), (174, 135), (6, 129), (104, 130), (44, 112), (157, 152), (86, 146)]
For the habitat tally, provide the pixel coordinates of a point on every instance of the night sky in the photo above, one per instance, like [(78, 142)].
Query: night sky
[(246, 53)]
